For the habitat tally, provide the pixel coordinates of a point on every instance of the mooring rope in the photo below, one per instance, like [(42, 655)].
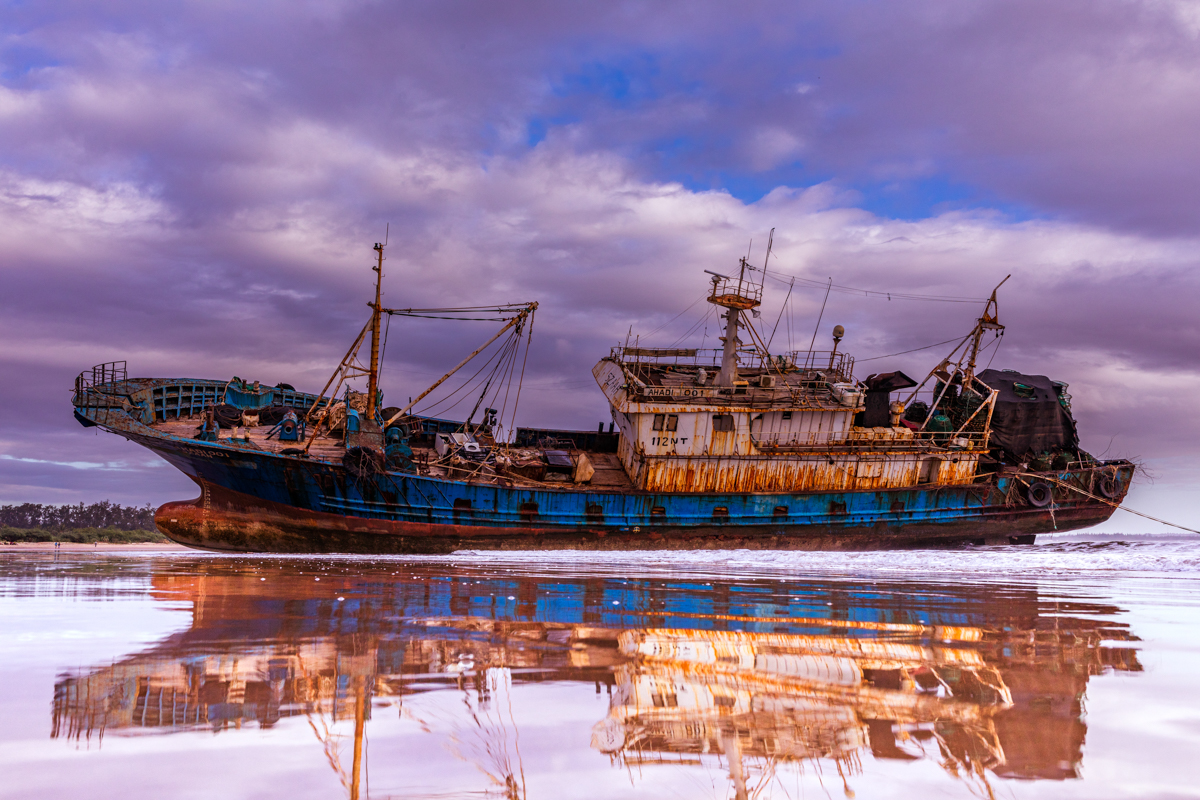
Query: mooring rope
[(1105, 501)]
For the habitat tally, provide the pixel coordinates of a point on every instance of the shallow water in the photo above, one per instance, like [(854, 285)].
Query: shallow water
[(1066, 669)]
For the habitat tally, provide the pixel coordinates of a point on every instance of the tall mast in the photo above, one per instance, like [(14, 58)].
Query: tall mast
[(988, 322), (376, 316), (735, 299)]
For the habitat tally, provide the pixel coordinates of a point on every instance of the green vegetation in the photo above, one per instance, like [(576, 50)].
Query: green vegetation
[(102, 515), (81, 535)]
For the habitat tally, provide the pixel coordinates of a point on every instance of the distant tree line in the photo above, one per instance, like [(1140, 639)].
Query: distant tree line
[(96, 516)]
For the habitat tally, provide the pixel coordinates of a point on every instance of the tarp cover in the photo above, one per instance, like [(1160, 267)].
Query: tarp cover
[(1024, 425), (888, 382), (876, 413)]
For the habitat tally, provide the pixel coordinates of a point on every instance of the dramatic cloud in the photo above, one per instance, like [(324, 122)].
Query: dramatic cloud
[(196, 188)]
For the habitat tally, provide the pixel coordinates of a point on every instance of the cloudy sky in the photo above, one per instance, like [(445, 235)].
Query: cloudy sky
[(195, 187)]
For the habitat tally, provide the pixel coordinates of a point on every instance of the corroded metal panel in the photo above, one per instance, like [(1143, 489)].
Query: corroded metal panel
[(795, 474)]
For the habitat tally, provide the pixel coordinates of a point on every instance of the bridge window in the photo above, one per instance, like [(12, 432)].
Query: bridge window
[(664, 700), (659, 419), (722, 423), (672, 422)]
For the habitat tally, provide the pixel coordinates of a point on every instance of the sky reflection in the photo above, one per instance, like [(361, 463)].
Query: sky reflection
[(385, 678)]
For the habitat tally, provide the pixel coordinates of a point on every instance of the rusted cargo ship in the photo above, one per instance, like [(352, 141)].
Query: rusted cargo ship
[(734, 448)]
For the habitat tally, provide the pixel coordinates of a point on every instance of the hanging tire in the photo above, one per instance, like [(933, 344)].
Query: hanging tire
[(1039, 494), (1107, 486)]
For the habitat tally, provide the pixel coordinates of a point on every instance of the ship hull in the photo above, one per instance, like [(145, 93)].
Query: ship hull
[(261, 502), (253, 500), (226, 520)]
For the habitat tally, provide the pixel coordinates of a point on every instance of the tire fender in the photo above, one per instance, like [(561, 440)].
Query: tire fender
[(1039, 494)]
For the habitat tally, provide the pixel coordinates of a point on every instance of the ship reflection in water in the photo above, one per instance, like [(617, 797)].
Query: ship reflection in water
[(744, 680)]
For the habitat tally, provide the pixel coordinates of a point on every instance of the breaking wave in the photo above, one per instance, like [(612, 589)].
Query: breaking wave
[(1054, 556)]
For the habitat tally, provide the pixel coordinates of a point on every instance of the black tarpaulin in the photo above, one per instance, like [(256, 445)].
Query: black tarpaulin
[(876, 412), (888, 382), (1028, 417)]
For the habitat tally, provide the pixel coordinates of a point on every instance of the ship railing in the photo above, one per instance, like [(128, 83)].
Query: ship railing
[(102, 386), (735, 293), (836, 366), (832, 366), (868, 439)]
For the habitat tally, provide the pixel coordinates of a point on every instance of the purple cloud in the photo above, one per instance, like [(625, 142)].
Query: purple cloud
[(196, 188)]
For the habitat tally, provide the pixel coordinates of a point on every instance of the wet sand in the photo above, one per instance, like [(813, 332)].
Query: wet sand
[(1063, 670)]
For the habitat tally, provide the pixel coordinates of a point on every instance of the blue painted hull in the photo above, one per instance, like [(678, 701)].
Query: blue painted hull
[(261, 502)]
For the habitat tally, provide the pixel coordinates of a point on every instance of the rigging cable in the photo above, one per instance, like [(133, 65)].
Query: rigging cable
[(435, 404), (904, 352), (999, 339), (677, 316), (694, 328), (387, 327), (521, 380), (782, 308), (783, 278), (502, 354), (819, 316)]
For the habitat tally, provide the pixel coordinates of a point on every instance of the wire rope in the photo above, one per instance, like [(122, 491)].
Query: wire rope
[(428, 408), (904, 352), (783, 278), (677, 316)]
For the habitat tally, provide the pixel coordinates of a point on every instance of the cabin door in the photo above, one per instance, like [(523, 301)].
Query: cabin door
[(756, 426), (722, 442)]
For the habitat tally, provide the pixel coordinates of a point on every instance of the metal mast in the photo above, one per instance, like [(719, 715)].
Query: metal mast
[(989, 321), (736, 298), (376, 316)]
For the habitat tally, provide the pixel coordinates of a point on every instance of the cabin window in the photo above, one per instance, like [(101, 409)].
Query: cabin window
[(658, 511), (722, 423), (781, 511), (897, 507), (594, 511), (672, 422), (787, 415), (720, 512), (462, 504), (837, 508), (659, 420), (528, 511)]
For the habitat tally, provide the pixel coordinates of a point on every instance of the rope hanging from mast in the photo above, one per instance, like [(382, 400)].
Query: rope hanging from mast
[(520, 313)]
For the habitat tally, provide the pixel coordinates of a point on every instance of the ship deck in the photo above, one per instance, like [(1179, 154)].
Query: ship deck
[(610, 475)]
